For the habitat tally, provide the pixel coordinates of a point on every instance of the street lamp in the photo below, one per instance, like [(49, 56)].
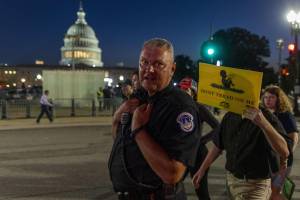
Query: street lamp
[(280, 46), (294, 19), (73, 39)]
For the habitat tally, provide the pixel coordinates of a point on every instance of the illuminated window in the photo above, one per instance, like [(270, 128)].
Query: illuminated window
[(68, 54), (39, 62), (82, 54)]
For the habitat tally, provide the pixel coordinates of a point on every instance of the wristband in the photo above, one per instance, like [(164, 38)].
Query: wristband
[(136, 131)]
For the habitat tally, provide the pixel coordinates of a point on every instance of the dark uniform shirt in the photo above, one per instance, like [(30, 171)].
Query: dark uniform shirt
[(247, 149), (289, 124), (174, 125)]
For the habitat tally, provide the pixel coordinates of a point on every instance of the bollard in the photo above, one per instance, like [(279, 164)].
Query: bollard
[(28, 109), (4, 114), (93, 108), (72, 107)]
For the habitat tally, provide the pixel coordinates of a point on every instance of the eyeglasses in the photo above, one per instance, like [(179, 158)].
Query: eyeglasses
[(156, 65)]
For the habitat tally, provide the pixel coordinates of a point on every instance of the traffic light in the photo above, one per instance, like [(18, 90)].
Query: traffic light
[(291, 48), (209, 51), (284, 71)]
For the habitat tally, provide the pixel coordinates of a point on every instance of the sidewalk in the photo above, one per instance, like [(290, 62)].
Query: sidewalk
[(13, 124)]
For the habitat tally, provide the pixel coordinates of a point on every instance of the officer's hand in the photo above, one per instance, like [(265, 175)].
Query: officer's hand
[(141, 116), (128, 106), (197, 178), (256, 116)]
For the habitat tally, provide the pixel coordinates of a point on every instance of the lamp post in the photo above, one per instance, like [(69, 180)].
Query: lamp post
[(280, 46), (294, 19), (72, 38)]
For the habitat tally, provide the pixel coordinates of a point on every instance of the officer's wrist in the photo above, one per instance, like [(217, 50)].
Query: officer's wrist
[(136, 131)]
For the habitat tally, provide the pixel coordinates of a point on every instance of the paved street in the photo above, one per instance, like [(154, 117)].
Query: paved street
[(55, 163), (71, 163)]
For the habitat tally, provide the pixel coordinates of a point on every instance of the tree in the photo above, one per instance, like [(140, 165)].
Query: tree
[(238, 47), (185, 67), (269, 77)]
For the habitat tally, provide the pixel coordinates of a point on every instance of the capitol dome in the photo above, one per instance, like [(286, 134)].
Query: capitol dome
[(81, 44)]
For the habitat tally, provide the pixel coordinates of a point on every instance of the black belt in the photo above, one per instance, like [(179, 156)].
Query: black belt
[(136, 195), (248, 176)]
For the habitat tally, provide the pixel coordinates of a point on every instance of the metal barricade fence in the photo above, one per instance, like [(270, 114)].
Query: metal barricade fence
[(15, 108), (22, 108), (1, 102)]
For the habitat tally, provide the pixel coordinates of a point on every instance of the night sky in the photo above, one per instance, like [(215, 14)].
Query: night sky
[(34, 29)]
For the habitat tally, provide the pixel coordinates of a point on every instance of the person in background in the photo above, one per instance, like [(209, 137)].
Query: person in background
[(190, 87), (135, 80), (45, 105), (127, 89), (138, 97), (275, 100), (100, 98), (107, 98)]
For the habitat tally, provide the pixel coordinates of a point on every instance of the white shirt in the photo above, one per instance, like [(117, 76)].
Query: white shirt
[(44, 100)]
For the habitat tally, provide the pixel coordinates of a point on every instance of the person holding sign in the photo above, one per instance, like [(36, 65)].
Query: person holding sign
[(190, 87), (248, 140), (275, 100)]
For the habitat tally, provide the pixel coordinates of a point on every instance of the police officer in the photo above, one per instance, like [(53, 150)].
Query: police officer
[(149, 162)]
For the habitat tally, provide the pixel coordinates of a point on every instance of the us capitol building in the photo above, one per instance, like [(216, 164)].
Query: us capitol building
[(80, 51), (81, 45)]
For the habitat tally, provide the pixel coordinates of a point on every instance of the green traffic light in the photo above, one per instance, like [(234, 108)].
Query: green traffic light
[(210, 51)]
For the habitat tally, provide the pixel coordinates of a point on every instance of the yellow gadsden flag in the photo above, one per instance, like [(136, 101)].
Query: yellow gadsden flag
[(228, 88)]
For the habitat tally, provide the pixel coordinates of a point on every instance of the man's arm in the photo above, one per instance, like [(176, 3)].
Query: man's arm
[(276, 141), (212, 155), (209, 118), (44, 100), (295, 138), (116, 121), (168, 169)]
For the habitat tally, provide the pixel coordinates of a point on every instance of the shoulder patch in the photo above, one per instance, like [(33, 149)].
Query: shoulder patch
[(186, 121)]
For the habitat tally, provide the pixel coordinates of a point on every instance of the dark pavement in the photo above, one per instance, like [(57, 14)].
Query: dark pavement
[(68, 160)]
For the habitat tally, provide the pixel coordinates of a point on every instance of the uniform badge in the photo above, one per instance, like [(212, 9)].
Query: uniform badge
[(185, 121)]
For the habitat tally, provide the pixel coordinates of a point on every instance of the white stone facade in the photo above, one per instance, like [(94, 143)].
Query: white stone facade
[(81, 45)]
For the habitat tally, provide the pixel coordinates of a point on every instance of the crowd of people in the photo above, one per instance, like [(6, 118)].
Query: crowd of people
[(109, 97), (158, 137)]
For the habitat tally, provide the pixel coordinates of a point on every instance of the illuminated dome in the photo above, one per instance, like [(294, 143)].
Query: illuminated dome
[(81, 44)]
